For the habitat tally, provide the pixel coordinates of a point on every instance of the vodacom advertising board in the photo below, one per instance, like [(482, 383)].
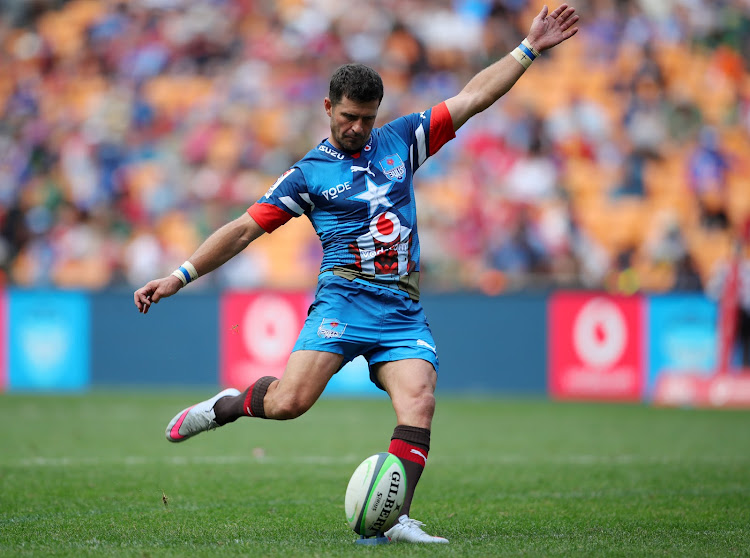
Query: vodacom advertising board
[(596, 347), (258, 331)]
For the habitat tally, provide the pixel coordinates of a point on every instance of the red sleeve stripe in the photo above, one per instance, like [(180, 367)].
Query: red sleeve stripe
[(268, 216), (441, 127)]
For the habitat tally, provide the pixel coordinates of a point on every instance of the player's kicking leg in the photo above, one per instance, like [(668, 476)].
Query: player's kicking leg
[(306, 375)]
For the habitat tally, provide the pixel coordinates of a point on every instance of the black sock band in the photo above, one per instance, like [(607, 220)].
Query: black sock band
[(413, 435), (256, 395)]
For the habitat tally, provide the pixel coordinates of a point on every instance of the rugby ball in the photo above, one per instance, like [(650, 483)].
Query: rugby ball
[(375, 494)]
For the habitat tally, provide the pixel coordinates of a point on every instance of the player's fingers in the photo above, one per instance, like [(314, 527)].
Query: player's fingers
[(569, 33), (143, 304), (543, 13), (569, 22), (141, 297), (138, 299), (560, 9), (566, 15)]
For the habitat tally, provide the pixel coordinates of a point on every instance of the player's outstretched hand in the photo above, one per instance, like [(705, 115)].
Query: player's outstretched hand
[(548, 30), (154, 291)]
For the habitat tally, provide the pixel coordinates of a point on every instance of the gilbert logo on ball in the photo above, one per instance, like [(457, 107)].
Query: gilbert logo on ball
[(375, 494)]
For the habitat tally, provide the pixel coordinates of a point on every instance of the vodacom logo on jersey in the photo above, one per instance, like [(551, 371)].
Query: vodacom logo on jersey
[(384, 248)]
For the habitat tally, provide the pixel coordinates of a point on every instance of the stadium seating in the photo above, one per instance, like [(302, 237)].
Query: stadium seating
[(176, 116)]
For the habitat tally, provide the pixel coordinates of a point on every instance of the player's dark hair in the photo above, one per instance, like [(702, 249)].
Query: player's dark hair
[(356, 82)]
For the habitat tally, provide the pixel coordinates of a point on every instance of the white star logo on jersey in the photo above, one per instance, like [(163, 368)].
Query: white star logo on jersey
[(374, 195)]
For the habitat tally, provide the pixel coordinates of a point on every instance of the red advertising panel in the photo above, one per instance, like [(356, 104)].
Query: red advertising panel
[(3, 341), (681, 389), (596, 347), (257, 333)]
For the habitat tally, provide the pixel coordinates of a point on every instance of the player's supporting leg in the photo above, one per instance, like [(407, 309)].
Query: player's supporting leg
[(411, 445), (411, 386), (306, 376)]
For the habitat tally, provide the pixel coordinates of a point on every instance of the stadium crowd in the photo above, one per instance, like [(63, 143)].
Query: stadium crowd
[(132, 129)]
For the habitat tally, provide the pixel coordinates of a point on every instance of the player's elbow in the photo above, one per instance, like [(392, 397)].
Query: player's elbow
[(465, 105), (483, 99)]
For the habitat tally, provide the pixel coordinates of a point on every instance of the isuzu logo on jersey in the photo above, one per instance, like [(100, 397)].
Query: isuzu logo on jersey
[(393, 167), (332, 152)]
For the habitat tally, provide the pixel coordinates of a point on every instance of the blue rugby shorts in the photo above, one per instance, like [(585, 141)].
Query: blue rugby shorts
[(352, 318)]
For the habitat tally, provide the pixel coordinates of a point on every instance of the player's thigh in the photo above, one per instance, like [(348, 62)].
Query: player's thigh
[(410, 383), (306, 375)]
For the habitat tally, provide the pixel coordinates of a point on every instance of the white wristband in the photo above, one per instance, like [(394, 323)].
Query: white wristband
[(534, 51), (186, 273), (178, 273), (525, 53), (191, 270)]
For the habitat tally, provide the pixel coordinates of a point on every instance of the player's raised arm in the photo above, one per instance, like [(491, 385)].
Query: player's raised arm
[(220, 247), (547, 30)]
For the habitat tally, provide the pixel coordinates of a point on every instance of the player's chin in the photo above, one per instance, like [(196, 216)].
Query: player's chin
[(353, 145)]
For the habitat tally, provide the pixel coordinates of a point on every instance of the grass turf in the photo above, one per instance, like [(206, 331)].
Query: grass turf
[(89, 475)]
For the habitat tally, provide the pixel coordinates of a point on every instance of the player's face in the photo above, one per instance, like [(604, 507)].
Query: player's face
[(351, 123)]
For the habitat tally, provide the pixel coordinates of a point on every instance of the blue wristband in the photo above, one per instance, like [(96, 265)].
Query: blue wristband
[(185, 274), (527, 51)]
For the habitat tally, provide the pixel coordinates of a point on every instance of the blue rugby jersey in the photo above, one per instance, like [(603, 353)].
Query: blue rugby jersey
[(362, 205)]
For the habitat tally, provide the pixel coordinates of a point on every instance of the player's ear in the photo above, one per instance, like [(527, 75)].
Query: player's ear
[(328, 106)]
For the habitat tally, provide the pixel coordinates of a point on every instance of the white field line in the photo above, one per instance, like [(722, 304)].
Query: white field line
[(585, 460)]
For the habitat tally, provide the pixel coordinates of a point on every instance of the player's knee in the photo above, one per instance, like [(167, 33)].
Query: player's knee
[(291, 406), (420, 406), (425, 403)]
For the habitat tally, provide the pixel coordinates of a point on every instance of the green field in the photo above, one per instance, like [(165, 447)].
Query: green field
[(88, 475)]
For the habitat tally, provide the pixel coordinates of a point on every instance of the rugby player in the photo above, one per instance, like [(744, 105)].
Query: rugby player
[(356, 189)]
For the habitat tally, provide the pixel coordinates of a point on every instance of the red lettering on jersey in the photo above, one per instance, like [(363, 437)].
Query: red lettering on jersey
[(441, 127), (268, 216)]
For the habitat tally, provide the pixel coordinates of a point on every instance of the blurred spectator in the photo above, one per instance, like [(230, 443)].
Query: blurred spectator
[(582, 129), (708, 169), (667, 257), (646, 124), (625, 278), (519, 249), (687, 276), (685, 120), (533, 177)]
